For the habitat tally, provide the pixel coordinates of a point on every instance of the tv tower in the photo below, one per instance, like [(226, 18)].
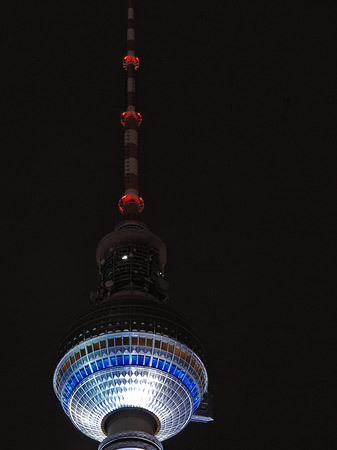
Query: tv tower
[(131, 373)]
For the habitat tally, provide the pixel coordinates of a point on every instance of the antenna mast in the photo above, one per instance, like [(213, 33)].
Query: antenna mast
[(131, 205)]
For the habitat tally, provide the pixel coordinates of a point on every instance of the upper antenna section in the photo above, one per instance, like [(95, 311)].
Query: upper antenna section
[(131, 205)]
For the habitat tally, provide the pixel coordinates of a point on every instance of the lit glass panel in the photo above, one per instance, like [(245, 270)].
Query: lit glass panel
[(177, 372), (173, 368), (106, 362), (113, 360), (99, 364), (182, 374), (79, 376)]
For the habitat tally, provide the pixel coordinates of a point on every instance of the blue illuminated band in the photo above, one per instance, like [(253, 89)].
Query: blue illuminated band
[(125, 360)]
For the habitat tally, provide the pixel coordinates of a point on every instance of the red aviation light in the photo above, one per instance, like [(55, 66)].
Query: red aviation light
[(131, 198), (125, 115), (127, 60)]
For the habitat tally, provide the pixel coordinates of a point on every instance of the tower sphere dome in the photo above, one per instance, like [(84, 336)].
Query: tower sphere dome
[(130, 353)]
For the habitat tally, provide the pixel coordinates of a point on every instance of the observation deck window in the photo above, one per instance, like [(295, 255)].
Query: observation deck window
[(106, 362), (96, 346)]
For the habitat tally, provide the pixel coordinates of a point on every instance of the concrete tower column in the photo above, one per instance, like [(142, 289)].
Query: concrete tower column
[(130, 440), (130, 429)]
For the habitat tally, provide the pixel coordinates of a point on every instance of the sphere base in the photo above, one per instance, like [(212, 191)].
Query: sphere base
[(130, 419), (130, 440)]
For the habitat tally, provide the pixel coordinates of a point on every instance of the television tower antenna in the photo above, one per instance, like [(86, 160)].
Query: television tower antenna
[(132, 372)]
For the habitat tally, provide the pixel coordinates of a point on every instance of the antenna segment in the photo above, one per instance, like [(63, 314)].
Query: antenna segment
[(131, 205)]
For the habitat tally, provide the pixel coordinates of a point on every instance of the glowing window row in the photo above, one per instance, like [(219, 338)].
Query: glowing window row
[(122, 360), (134, 341)]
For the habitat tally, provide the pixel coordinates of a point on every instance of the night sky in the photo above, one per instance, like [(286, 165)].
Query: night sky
[(238, 100)]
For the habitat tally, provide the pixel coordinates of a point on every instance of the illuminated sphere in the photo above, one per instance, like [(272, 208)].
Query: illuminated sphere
[(132, 351)]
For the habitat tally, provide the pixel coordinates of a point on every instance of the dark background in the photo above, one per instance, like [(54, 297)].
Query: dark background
[(238, 100)]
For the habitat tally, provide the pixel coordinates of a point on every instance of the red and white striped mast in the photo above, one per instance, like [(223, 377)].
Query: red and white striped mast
[(131, 205)]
